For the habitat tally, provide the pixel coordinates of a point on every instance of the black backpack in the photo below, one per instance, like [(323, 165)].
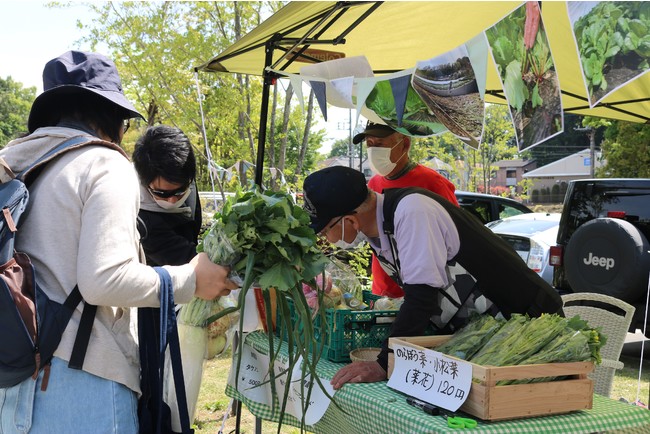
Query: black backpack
[(500, 273), (31, 325)]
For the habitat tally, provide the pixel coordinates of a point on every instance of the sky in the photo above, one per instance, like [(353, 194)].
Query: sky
[(32, 34)]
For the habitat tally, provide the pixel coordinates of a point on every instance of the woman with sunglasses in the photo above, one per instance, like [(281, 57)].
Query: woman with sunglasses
[(169, 220)]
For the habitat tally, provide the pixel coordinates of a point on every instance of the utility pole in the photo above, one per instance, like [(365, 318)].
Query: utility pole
[(591, 133)]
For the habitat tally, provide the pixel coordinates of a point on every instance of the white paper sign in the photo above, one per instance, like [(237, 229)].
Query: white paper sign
[(252, 376), (318, 401), (254, 373), (431, 376)]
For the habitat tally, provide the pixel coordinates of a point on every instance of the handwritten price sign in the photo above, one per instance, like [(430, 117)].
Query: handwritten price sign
[(431, 376)]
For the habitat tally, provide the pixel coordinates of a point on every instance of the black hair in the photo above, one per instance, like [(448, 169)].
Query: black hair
[(166, 152), (89, 109)]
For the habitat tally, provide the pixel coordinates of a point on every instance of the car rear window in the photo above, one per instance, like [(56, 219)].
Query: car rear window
[(634, 204)]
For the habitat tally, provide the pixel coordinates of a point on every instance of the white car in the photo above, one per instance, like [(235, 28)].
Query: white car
[(532, 236)]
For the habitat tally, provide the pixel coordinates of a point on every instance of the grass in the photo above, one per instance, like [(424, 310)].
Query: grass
[(213, 401)]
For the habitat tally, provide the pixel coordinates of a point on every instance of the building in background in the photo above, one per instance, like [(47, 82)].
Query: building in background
[(550, 181)]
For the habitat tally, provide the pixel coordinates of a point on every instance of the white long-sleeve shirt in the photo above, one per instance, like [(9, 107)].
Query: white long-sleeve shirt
[(81, 229)]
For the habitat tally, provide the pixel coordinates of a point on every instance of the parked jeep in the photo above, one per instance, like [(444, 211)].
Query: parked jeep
[(602, 242)]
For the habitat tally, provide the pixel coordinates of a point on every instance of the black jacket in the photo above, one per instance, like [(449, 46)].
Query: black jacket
[(168, 238)]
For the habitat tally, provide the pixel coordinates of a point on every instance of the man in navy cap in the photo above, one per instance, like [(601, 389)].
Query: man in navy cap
[(388, 155), (420, 238)]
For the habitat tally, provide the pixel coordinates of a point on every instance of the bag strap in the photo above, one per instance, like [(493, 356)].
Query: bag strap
[(169, 336), (74, 298)]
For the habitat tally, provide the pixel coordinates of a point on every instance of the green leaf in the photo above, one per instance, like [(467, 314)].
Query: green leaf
[(514, 86)]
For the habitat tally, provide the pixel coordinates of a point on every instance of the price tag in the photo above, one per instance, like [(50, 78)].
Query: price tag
[(253, 379), (318, 400), (431, 376)]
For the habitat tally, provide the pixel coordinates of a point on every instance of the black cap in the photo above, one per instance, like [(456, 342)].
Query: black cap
[(77, 72), (333, 192), (373, 130)]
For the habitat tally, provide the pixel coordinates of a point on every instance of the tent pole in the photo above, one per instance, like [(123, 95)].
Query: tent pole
[(269, 78)]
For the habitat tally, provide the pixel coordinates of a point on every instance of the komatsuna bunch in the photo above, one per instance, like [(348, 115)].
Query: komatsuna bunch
[(266, 240)]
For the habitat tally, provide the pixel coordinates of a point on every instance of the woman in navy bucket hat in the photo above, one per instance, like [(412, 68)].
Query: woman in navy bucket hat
[(81, 230)]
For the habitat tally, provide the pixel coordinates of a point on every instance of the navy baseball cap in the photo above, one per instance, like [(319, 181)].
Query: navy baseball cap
[(373, 130), (333, 192), (77, 72)]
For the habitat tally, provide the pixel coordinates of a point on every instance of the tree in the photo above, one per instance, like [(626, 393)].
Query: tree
[(626, 150), (157, 45), (15, 103), (340, 148), (497, 144)]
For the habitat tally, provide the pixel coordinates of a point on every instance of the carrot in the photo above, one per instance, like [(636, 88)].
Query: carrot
[(532, 24)]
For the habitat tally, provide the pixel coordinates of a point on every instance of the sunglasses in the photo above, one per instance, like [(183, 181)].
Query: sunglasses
[(125, 125), (166, 194)]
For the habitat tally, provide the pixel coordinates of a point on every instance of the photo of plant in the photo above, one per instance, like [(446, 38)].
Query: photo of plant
[(447, 85), (521, 52), (613, 41), (417, 120)]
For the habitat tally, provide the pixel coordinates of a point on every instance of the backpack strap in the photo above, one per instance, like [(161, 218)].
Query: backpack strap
[(392, 197), (63, 147), (74, 298)]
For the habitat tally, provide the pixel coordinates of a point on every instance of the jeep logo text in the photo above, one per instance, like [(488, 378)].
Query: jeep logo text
[(599, 262)]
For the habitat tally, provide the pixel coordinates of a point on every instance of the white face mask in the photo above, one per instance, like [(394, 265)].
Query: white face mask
[(168, 205), (342, 244), (379, 159)]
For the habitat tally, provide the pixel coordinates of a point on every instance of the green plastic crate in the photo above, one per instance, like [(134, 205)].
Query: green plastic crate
[(347, 330)]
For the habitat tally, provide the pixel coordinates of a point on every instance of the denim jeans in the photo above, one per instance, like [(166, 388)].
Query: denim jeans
[(74, 402)]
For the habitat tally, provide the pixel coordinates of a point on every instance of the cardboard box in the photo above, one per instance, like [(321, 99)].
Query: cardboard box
[(488, 401)]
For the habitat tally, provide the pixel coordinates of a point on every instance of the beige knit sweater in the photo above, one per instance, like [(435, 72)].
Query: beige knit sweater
[(81, 229)]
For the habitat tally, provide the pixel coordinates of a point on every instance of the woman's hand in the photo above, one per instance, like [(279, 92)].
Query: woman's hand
[(211, 279), (358, 372)]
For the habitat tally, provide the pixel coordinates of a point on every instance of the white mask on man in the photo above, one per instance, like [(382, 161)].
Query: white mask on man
[(169, 205), (342, 244), (379, 159)]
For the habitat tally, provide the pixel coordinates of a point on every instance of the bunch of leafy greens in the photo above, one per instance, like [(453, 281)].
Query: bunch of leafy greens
[(266, 238), (609, 31), (549, 338), (468, 340)]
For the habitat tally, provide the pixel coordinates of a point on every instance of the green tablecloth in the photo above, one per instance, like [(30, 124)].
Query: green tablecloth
[(375, 408)]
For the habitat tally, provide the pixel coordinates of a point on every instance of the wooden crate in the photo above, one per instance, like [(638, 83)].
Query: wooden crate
[(488, 401)]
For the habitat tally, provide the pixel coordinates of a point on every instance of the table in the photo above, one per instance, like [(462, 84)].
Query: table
[(374, 408)]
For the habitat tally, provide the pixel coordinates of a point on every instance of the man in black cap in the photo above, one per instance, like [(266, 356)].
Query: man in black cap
[(81, 230), (388, 155), (420, 238)]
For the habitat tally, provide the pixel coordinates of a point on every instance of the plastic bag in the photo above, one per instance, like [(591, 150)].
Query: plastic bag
[(221, 251), (193, 342), (221, 331), (347, 282)]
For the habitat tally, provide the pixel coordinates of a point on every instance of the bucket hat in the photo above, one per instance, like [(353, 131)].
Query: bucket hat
[(333, 192), (373, 130), (76, 72)]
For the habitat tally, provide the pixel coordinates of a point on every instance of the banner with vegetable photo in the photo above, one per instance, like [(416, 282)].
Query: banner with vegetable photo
[(520, 50), (394, 101), (448, 86), (613, 42)]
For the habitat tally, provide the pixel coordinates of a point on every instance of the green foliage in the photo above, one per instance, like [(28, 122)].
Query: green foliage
[(608, 32), (341, 148), (15, 103), (521, 70), (157, 45), (626, 151)]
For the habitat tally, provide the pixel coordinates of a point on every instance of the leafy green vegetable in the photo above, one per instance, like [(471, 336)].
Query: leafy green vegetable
[(515, 325), (265, 237), (468, 340)]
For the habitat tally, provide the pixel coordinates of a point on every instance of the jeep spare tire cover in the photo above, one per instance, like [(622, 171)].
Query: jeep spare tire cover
[(608, 256)]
